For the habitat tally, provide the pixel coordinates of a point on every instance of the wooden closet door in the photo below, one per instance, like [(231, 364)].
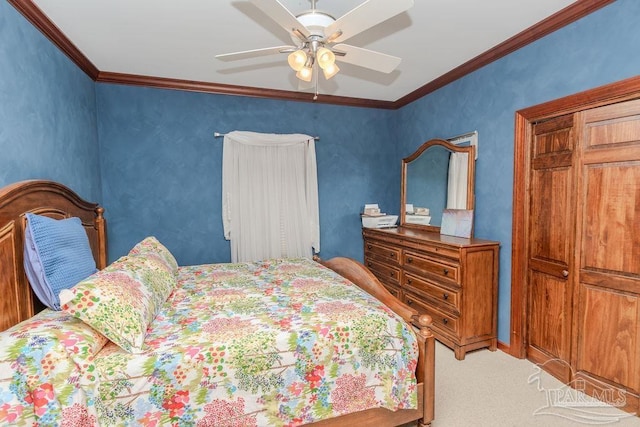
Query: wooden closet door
[(607, 324), (551, 245)]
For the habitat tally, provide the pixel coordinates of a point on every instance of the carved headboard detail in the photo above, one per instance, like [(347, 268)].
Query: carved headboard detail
[(17, 301)]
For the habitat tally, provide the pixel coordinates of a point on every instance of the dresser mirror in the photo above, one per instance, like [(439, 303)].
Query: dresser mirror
[(438, 176)]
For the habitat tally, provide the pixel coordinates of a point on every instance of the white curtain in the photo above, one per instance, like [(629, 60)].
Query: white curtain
[(457, 182), (270, 196)]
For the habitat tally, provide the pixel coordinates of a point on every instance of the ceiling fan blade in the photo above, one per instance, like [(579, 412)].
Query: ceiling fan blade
[(368, 14), (282, 16), (367, 58), (254, 53)]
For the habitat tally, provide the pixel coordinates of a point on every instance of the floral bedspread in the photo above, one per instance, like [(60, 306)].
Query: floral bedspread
[(282, 342)]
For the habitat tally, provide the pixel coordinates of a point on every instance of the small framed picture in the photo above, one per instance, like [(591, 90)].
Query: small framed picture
[(457, 222)]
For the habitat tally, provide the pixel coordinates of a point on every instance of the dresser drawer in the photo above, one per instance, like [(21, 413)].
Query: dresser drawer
[(384, 272), (438, 250), (435, 266), (381, 252), (393, 290), (447, 297), (444, 322)]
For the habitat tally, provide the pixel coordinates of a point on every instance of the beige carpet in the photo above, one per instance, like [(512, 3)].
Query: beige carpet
[(492, 389)]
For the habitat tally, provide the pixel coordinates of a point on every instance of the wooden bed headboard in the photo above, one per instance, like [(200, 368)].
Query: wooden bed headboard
[(18, 302)]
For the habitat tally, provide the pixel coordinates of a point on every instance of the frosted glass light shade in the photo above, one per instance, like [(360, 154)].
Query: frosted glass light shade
[(330, 71), (305, 74), (325, 57), (297, 60)]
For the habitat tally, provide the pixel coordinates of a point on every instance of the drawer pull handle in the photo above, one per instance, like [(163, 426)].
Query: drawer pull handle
[(409, 301), (445, 271), (565, 273), (409, 260), (368, 246), (369, 264), (408, 281), (391, 273), (445, 296), (392, 255), (445, 321)]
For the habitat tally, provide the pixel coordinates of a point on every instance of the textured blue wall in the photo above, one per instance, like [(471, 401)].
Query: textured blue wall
[(161, 166), (599, 49), (47, 111)]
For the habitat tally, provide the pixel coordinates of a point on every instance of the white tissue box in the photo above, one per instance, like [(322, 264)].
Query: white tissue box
[(385, 221), (418, 219), (422, 211)]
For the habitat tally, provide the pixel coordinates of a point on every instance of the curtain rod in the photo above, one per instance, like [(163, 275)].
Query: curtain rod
[(464, 136), (471, 137), (220, 135)]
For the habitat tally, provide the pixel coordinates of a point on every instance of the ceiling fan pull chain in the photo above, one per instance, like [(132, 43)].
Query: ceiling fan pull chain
[(315, 75)]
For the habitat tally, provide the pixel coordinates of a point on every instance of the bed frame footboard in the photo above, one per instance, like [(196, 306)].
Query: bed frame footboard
[(357, 273)]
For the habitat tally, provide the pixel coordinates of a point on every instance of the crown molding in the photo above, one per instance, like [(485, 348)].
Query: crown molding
[(218, 88), (564, 17)]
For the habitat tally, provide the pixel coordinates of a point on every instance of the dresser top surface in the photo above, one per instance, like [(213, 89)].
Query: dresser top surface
[(424, 236)]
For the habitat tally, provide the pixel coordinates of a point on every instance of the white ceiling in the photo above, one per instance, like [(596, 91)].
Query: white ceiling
[(179, 39)]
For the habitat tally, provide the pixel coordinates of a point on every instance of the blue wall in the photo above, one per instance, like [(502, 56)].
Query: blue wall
[(47, 111), (601, 48), (161, 166)]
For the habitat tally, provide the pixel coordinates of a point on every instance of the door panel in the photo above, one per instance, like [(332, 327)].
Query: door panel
[(551, 237), (608, 342), (607, 316), (613, 126), (612, 218), (548, 311), (551, 217)]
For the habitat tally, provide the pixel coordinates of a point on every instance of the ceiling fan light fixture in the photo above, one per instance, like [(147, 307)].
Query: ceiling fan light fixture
[(305, 74), (330, 71), (297, 59), (326, 58), (314, 35)]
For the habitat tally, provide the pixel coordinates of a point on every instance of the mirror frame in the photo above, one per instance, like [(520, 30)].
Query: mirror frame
[(470, 179)]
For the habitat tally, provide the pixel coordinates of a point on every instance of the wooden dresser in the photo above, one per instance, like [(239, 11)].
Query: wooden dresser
[(452, 279)]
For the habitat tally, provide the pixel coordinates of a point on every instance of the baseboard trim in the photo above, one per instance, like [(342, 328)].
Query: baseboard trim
[(504, 347)]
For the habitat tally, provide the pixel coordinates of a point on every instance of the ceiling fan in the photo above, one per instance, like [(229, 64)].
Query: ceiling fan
[(317, 38)]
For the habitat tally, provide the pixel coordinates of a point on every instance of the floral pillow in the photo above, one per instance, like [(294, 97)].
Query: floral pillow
[(122, 300), (151, 247), (79, 339), (45, 362)]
